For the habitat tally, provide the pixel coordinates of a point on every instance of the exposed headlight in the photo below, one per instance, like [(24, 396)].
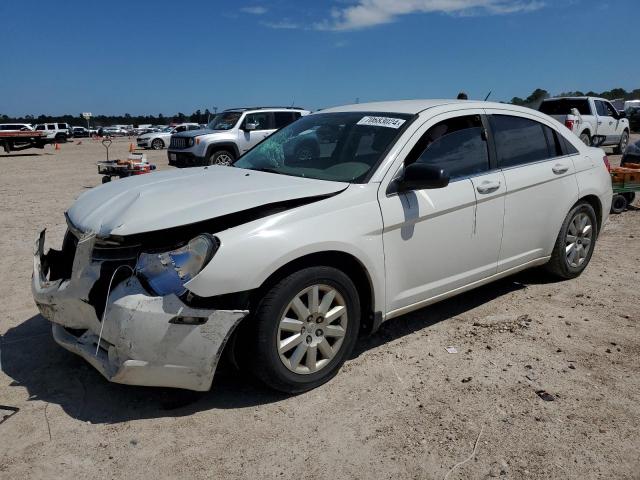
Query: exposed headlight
[(190, 142), (167, 272)]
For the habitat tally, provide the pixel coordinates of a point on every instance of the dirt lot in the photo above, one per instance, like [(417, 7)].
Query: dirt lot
[(402, 407)]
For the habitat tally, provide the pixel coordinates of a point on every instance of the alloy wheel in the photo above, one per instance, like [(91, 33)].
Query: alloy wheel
[(224, 160), (578, 240), (312, 329)]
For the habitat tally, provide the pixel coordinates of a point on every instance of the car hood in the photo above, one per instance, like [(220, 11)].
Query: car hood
[(199, 133), (162, 200)]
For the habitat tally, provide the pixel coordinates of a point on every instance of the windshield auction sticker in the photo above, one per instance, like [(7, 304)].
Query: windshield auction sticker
[(381, 122)]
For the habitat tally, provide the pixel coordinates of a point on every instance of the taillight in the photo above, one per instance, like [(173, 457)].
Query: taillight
[(605, 159), (569, 124)]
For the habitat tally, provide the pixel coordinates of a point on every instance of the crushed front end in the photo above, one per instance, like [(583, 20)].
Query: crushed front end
[(103, 311)]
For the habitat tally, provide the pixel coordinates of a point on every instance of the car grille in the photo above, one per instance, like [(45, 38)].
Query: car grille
[(179, 142)]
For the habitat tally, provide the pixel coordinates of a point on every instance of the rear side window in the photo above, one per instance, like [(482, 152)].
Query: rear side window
[(519, 140), (601, 108), (563, 106), (457, 145), (282, 119)]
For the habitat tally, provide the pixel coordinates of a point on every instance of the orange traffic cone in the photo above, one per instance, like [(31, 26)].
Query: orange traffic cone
[(57, 147), (130, 147)]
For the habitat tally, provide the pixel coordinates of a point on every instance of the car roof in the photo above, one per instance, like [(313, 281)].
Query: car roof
[(417, 106), (245, 109)]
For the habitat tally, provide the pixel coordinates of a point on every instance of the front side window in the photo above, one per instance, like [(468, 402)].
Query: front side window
[(457, 145), (611, 112), (344, 147), (261, 120), (224, 121), (518, 140), (40, 127)]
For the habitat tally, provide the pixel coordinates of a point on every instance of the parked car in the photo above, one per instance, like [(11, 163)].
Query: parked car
[(407, 203), (15, 127), (631, 154), (81, 132), (593, 120), (633, 115), (230, 134), (59, 132), (113, 131), (161, 139)]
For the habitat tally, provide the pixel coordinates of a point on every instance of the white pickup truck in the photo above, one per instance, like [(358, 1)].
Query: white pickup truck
[(592, 119)]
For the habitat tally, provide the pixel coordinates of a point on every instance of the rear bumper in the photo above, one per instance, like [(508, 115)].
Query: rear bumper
[(181, 159), (145, 340)]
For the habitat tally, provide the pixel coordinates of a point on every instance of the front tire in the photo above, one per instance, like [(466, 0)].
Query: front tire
[(221, 157), (575, 243), (306, 327), (157, 144)]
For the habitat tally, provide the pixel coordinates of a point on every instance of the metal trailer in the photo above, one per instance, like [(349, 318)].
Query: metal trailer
[(16, 141), (625, 182)]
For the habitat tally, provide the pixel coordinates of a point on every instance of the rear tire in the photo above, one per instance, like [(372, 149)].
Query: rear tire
[(575, 243), (622, 146), (619, 203), (305, 328), (221, 157)]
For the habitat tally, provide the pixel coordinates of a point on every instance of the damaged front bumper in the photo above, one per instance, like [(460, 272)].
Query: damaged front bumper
[(145, 340)]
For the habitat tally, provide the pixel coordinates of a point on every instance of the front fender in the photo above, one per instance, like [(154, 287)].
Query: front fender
[(250, 253)]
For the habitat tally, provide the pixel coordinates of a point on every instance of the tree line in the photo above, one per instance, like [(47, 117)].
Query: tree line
[(105, 120), (538, 95), (199, 116)]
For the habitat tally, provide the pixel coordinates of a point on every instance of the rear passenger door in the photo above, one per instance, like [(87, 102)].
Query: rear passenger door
[(540, 185)]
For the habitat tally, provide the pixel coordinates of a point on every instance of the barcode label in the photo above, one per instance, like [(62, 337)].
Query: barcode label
[(381, 122)]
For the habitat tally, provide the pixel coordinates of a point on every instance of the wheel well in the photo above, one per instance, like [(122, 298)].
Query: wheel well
[(594, 201), (586, 131), (216, 147), (342, 261)]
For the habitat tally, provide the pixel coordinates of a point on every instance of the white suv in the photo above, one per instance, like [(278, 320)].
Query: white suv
[(58, 132), (229, 135), (159, 140), (395, 206)]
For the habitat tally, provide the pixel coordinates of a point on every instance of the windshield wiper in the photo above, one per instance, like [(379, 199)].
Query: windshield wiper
[(267, 169)]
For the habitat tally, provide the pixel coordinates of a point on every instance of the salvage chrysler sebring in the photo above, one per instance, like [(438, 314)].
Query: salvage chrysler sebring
[(282, 259)]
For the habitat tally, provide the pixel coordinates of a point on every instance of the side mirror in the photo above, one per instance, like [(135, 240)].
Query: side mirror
[(250, 126), (419, 176), (622, 114)]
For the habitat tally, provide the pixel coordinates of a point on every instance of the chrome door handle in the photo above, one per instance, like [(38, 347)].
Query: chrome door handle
[(600, 123), (488, 187), (559, 169)]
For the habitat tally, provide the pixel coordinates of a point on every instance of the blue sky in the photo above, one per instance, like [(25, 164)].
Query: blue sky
[(146, 56)]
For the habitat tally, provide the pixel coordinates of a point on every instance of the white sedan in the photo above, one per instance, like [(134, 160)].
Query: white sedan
[(398, 205), (161, 139)]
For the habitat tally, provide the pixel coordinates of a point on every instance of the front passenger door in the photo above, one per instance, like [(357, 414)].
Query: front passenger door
[(439, 240), (264, 127)]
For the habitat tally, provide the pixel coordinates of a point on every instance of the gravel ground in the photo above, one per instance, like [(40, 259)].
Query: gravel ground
[(402, 407)]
